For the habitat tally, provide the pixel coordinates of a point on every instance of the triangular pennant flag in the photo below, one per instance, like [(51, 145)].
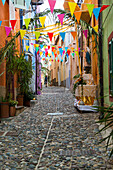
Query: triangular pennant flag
[(22, 33), (66, 48), (37, 48), (52, 5), (0, 23), (27, 21), (3, 1), (28, 3), (74, 33), (8, 30), (72, 7), (37, 45), (48, 47), (77, 15), (42, 20), (61, 17), (27, 47), (96, 28), (31, 43), (41, 53), (13, 22), (50, 34), (37, 34), (68, 52), (34, 45), (85, 32), (41, 46), (104, 7), (90, 8), (61, 51), (96, 12), (62, 34)]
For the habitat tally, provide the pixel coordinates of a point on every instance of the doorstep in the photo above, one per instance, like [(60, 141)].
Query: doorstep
[(19, 109)]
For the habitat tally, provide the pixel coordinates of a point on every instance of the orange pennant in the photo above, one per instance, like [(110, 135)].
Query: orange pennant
[(78, 15), (74, 33)]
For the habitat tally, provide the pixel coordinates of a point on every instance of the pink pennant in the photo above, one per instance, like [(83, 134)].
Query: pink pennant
[(52, 5), (85, 32), (31, 43), (46, 50), (61, 17), (63, 52), (8, 30)]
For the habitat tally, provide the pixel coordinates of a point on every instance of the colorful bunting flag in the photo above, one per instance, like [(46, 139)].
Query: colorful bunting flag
[(37, 34), (0, 23), (90, 8), (27, 47), (96, 12), (13, 23), (37, 48), (66, 48), (72, 7), (31, 43), (52, 5), (27, 21), (74, 33), (22, 33), (78, 16), (42, 20), (104, 7), (61, 51), (8, 30), (96, 28), (50, 34), (41, 46), (85, 32), (68, 52), (62, 34), (3, 1), (61, 17), (48, 47)]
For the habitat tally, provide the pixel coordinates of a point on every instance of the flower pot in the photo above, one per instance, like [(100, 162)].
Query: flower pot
[(4, 109), (12, 111), (27, 103), (20, 99)]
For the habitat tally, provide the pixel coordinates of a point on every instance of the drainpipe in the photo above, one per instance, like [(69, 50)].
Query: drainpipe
[(101, 61)]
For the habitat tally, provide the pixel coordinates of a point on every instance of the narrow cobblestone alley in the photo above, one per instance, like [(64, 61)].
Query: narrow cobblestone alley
[(34, 140)]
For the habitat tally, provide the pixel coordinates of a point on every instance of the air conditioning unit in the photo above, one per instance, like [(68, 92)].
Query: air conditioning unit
[(37, 2), (19, 4)]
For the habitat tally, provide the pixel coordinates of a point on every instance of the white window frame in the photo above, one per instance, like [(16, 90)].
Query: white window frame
[(16, 5)]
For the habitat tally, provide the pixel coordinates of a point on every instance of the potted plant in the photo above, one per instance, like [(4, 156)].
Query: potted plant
[(4, 108), (12, 104), (27, 97)]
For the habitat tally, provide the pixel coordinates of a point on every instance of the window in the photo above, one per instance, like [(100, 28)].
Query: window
[(19, 4), (110, 62)]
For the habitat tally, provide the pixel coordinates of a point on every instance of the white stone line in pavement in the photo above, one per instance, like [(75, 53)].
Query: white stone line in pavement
[(42, 151), (5, 133)]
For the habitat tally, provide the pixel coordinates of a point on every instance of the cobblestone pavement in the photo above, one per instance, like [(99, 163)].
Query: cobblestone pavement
[(34, 140)]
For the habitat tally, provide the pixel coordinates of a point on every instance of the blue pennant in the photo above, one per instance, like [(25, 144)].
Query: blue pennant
[(3, 1), (0, 23), (62, 34), (66, 48), (96, 12)]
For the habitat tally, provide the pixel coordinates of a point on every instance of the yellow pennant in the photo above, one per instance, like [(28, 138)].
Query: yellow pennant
[(44, 46), (41, 52), (37, 45), (22, 33), (96, 28), (27, 21), (42, 20), (72, 7), (27, 47), (37, 34)]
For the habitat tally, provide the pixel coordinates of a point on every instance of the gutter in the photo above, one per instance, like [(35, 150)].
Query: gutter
[(101, 61)]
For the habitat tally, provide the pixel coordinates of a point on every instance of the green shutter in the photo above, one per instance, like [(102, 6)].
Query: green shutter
[(111, 65)]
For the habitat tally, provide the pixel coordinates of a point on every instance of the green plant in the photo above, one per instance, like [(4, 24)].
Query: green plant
[(107, 122), (13, 102), (29, 96), (78, 81)]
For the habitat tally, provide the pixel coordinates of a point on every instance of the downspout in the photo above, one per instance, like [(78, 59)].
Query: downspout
[(101, 61)]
